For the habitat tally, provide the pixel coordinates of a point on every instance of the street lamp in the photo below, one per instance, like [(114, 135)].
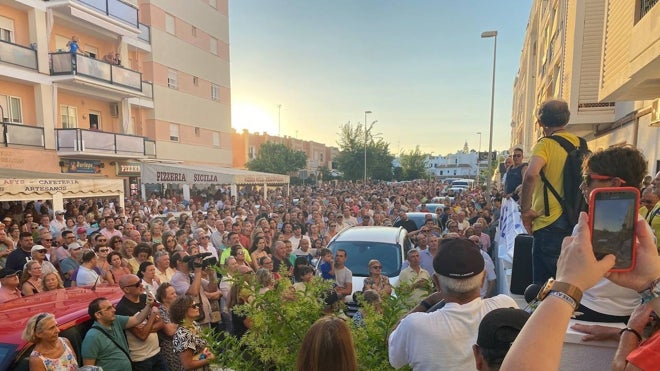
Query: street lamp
[(365, 145), (279, 120), (478, 159), (484, 35)]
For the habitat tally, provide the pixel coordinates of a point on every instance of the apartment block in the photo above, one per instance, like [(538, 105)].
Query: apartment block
[(145, 81), (603, 58)]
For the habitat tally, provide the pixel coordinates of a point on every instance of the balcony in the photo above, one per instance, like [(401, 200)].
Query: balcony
[(97, 143), (148, 89), (18, 55), (145, 33), (115, 9), (22, 135), (64, 63)]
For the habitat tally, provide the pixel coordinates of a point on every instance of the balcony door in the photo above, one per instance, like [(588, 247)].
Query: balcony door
[(11, 109), (69, 116), (6, 29)]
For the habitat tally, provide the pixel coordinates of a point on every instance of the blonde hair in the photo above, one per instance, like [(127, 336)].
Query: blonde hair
[(35, 325)]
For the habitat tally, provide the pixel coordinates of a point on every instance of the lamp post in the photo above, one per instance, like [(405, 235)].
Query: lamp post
[(365, 145), (279, 120), (478, 159), (492, 34)]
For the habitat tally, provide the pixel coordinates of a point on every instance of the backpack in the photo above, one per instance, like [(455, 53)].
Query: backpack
[(573, 201)]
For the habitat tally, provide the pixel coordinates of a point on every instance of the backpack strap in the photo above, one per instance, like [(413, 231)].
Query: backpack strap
[(568, 147), (113, 340)]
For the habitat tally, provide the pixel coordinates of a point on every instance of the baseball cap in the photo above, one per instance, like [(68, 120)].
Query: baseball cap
[(74, 246), (37, 248), (458, 258), (81, 230), (60, 212), (8, 272), (500, 327)]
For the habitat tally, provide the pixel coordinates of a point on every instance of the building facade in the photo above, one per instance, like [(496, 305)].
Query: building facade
[(246, 146), (603, 58), (100, 86)]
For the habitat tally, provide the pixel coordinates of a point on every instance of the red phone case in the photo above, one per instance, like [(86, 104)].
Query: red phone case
[(592, 201)]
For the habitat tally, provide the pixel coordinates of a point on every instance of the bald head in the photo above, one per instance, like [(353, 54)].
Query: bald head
[(128, 279)]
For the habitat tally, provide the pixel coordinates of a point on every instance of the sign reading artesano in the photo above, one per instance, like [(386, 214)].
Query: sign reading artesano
[(64, 186)]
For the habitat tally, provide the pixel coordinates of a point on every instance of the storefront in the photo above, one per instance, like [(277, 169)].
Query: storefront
[(21, 185), (204, 176), (131, 171)]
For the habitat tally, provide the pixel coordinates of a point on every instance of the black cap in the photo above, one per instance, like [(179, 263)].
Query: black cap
[(458, 258), (500, 327), (8, 272)]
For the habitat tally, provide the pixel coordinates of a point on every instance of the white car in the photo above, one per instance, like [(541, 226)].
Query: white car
[(387, 244)]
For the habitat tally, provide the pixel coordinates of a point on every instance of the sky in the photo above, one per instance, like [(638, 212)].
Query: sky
[(420, 66)]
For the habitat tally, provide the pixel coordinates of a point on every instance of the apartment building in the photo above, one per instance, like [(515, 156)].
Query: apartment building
[(145, 81), (246, 147), (603, 58)]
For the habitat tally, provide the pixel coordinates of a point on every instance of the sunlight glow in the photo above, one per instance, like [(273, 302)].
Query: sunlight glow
[(253, 118)]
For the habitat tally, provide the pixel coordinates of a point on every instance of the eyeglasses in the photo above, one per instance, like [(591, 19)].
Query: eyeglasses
[(194, 305), (106, 308), (135, 285), (103, 250), (376, 267), (588, 178)]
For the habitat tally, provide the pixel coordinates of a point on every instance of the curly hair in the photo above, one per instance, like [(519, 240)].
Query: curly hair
[(179, 308), (623, 162), (553, 113)]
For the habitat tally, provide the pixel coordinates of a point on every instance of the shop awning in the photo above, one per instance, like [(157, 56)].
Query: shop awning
[(157, 173), (17, 185)]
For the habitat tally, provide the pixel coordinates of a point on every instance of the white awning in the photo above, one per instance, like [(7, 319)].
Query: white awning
[(156, 173)]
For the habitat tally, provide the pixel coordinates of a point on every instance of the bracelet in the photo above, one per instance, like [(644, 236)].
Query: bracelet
[(565, 298), (628, 329), (425, 304)]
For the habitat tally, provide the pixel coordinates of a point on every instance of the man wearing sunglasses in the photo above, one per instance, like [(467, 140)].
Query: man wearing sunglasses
[(142, 340), (39, 254), (515, 174)]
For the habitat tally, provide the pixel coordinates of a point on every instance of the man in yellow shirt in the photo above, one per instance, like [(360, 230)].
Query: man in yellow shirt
[(549, 227)]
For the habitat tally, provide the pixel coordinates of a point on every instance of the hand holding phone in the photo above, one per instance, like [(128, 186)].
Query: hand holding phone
[(612, 220)]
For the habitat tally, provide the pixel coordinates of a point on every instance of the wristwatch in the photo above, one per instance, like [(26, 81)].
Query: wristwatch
[(652, 292), (570, 293)]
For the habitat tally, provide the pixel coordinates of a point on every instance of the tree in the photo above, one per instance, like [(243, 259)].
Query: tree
[(413, 165), (278, 159), (352, 141)]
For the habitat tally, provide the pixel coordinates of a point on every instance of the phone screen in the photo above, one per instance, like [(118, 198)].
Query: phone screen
[(613, 215)]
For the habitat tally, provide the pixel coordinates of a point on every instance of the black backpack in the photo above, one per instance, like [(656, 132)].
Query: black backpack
[(573, 202)]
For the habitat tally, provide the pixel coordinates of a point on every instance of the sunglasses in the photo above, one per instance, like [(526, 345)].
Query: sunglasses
[(42, 251), (194, 305), (48, 240), (135, 285), (377, 267), (103, 250), (588, 178)]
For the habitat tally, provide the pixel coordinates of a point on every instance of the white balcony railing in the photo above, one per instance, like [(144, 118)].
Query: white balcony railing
[(65, 63), (18, 55)]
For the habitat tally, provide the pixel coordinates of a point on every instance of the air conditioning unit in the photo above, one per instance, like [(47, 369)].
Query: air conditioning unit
[(655, 113), (114, 109)]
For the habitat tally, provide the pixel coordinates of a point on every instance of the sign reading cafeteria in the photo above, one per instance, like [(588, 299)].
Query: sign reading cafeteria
[(64, 186)]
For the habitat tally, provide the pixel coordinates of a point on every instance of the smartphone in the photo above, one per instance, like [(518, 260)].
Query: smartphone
[(612, 219)]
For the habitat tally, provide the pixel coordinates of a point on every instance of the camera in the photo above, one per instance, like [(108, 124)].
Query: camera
[(206, 257)]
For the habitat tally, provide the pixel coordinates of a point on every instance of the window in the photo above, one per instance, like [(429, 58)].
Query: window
[(213, 45), (174, 132), (169, 24), (94, 120), (91, 51), (216, 139), (252, 153), (69, 117), (195, 80), (172, 79), (6, 29), (194, 31), (197, 131), (215, 92), (12, 108)]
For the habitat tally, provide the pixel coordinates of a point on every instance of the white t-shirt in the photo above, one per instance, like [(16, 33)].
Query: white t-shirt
[(342, 277), (86, 277), (442, 340), (490, 272)]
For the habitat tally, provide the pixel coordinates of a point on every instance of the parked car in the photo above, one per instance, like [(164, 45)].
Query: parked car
[(387, 244), (419, 218), (431, 207), (70, 309)]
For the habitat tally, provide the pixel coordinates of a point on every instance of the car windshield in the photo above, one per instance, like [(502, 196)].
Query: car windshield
[(359, 253)]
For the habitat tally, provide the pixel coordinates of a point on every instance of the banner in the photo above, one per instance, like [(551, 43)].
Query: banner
[(64, 186), (510, 226), (81, 166)]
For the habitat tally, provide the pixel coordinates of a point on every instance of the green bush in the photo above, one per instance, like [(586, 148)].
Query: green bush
[(281, 317)]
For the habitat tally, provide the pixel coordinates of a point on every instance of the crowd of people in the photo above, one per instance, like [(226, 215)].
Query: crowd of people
[(166, 247)]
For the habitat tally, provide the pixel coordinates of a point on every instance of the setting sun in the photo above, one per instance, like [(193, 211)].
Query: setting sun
[(253, 118)]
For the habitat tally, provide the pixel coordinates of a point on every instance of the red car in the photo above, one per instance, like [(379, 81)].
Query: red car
[(70, 309)]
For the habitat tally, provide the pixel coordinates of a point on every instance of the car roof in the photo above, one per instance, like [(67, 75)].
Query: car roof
[(68, 305), (369, 233)]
